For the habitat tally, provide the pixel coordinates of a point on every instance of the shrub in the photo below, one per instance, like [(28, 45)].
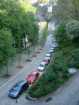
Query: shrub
[(61, 36), (74, 58), (72, 29), (54, 76), (66, 55)]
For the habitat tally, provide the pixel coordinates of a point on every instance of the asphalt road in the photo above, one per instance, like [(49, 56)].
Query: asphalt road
[(4, 99), (68, 94)]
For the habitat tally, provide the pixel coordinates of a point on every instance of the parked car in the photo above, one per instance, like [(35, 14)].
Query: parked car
[(52, 48), (41, 67), (46, 61), (47, 58), (31, 78), (43, 63), (54, 45), (72, 71), (51, 51), (48, 55), (18, 89)]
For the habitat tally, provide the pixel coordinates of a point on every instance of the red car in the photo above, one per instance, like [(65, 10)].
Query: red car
[(32, 77)]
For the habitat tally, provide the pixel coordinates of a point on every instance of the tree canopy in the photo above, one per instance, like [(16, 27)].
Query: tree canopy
[(18, 17), (17, 21), (66, 9)]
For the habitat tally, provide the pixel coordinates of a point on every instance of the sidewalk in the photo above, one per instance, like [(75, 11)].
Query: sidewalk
[(13, 69), (68, 94)]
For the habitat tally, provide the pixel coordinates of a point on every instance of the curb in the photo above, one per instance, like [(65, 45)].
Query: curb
[(28, 97)]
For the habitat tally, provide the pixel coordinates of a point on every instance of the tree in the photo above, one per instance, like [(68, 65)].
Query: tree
[(18, 16), (65, 10), (6, 49), (72, 29)]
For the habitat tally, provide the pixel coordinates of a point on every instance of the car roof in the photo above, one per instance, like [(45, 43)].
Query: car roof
[(42, 63), (21, 82), (41, 66), (48, 53), (46, 57), (34, 72)]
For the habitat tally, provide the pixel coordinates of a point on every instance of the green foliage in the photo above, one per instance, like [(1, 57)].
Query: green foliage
[(72, 29), (73, 58), (67, 53), (18, 16), (65, 56), (43, 33), (68, 48), (17, 21), (61, 36), (65, 10), (55, 75), (60, 33), (6, 49), (32, 32)]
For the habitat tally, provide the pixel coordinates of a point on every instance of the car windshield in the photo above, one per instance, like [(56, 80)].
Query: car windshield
[(16, 87), (41, 65), (34, 73)]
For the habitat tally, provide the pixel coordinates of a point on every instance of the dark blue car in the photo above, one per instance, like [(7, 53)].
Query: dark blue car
[(18, 88)]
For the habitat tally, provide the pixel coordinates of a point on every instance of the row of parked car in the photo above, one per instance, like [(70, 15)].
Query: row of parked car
[(23, 85)]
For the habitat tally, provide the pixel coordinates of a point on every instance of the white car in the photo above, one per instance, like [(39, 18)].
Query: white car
[(72, 70), (48, 55), (47, 58), (52, 48), (41, 67), (43, 63), (51, 51), (54, 45)]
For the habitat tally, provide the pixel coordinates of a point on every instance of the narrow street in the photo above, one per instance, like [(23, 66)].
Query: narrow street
[(20, 21), (4, 99), (68, 94)]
